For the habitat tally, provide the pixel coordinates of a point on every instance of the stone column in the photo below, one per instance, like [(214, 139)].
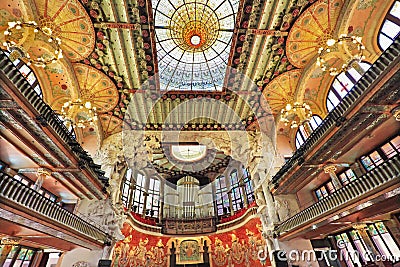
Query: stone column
[(330, 169), (230, 200), (358, 169), (269, 201), (146, 194), (41, 174), (243, 189)]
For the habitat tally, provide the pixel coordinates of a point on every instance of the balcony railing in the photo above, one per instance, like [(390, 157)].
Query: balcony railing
[(336, 116), (19, 196), (361, 187), (47, 115)]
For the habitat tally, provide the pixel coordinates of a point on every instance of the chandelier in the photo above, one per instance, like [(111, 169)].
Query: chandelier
[(295, 114), (13, 32), (335, 45), (73, 107)]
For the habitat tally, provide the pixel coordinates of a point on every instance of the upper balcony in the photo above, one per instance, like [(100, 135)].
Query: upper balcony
[(377, 187)]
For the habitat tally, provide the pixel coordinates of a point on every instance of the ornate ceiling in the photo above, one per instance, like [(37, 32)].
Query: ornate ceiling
[(192, 66)]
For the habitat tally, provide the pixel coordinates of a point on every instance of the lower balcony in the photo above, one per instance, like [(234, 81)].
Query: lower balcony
[(375, 182), (22, 205)]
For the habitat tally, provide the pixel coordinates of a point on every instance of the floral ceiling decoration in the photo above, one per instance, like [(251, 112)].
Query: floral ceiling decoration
[(96, 87), (281, 90), (312, 30), (68, 21)]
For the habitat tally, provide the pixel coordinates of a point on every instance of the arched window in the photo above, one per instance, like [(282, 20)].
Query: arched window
[(27, 72), (236, 194), (391, 27), (138, 194), (302, 135), (342, 85), (221, 194), (153, 198), (248, 185), (126, 188)]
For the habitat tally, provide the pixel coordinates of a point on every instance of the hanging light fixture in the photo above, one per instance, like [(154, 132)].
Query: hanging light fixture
[(19, 51), (71, 108), (295, 114), (335, 45)]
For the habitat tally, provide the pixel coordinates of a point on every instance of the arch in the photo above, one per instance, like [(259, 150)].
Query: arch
[(302, 132), (343, 83), (390, 27)]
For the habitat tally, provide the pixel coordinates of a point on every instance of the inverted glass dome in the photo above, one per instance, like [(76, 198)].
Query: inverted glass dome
[(193, 41), (188, 153)]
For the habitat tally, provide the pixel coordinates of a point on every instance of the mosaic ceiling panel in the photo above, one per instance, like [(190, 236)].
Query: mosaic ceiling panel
[(193, 41), (311, 30), (69, 21), (96, 87)]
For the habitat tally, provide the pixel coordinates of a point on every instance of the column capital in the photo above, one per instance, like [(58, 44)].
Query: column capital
[(330, 169)]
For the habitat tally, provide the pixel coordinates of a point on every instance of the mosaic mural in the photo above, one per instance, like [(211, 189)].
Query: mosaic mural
[(235, 248)]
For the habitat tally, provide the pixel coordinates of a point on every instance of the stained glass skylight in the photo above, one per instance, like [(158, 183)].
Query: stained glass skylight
[(188, 153), (193, 41)]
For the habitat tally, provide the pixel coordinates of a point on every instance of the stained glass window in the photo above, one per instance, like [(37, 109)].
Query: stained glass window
[(347, 176), (188, 153), (390, 27), (360, 245), (347, 251), (343, 83), (193, 40), (153, 198), (302, 135), (384, 241), (324, 190), (221, 194), (138, 194), (237, 196)]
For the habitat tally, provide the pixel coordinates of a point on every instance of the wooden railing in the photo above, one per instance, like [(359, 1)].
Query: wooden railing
[(15, 194), (337, 115), (383, 174)]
